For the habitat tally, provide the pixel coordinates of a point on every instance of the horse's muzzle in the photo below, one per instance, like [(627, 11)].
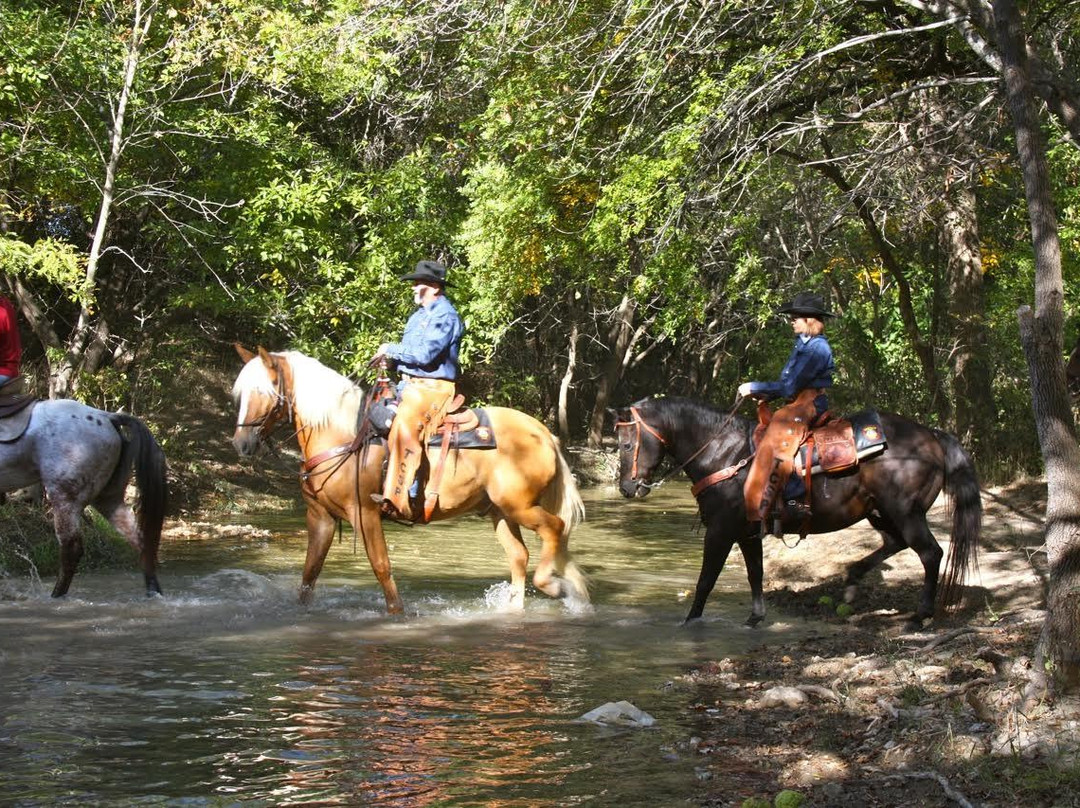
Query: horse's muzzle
[(245, 441), (634, 489)]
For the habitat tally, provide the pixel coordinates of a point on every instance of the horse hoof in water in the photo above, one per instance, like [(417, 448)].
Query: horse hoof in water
[(754, 620), (307, 594)]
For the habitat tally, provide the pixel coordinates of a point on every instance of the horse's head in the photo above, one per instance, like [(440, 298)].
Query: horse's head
[(263, 398), (641, 448)]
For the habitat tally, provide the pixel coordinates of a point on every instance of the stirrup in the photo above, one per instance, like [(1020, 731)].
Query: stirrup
[(390, 510)]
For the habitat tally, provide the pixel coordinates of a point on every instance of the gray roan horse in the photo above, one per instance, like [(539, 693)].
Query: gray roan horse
[(82, 456)]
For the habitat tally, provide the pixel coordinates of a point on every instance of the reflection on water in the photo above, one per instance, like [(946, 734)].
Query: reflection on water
[(228, 692)]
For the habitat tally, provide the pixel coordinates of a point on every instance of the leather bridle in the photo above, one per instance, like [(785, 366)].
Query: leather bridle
[(718, 476), (282, 404), (639, 424)]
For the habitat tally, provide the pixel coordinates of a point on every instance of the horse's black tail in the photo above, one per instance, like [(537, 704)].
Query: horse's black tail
[(142, 452), (962, 486)]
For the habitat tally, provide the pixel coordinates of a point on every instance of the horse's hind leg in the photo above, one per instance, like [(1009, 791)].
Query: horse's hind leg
[(922, 541), (66, 521), (121, 517), (892, 542), (553, 553), (517, 556)]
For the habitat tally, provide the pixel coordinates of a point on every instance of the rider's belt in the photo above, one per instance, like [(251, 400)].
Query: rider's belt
[(439, 386), (410, 378)]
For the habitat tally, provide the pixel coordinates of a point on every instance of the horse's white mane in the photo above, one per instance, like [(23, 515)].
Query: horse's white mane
[(322, 397)]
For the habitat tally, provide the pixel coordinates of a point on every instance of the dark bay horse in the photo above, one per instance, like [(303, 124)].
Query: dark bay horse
[(893, 491), (82, 456), (525, 482)]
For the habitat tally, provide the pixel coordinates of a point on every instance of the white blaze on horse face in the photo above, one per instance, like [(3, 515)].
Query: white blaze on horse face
[(245, 401)]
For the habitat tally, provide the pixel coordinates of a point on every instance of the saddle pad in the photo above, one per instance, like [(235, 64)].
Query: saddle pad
[(837, 451), (15, 411), (480, 437)]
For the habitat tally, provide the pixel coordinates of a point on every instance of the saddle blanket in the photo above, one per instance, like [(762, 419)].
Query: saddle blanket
[(477, 433), (839, 445), (481, 436)]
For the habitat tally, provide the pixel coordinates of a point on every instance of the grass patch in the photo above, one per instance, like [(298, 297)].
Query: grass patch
[(1042, 782), (28, 544)]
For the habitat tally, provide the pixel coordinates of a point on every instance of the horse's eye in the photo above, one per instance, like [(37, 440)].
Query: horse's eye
[(627, 447)]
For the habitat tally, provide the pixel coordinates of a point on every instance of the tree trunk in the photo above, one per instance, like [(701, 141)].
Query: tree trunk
[(1041, 335), (568, 378), (618, 342), (924, 351), (62, 378), (973, 395)]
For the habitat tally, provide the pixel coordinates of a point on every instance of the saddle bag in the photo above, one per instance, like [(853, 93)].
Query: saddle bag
[(840, 444)]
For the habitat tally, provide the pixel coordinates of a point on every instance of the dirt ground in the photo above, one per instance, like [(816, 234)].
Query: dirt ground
[(871, 713), (879, 714)]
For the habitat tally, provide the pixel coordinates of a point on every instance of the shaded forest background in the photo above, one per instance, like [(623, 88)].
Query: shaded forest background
[(623, 191)]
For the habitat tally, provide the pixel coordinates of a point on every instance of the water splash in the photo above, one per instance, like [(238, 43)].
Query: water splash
[(499, 596)]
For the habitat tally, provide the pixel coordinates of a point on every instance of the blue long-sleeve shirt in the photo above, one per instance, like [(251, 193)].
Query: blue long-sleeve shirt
[(809, 365), (431, 342)]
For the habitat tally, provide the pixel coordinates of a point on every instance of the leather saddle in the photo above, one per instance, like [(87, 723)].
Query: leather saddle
[(462, 428), (15, 412), (840, 443), (836, 444)]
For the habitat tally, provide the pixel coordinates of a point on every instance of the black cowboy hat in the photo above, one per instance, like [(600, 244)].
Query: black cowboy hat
[(806, 304), (429, 272)]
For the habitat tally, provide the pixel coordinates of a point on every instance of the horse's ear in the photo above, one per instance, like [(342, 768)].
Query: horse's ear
[(245, 354), (265, 356)]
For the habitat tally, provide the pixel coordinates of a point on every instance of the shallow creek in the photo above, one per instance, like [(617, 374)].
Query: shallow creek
[(227, 692)]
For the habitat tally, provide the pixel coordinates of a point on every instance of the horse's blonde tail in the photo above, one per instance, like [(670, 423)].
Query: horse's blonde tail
[(562, 498)]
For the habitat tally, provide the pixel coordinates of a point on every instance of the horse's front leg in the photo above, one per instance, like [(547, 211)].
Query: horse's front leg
[(718, 542), (517, 556), (320, 530), (66, 519), (755, 574), (378, 556)]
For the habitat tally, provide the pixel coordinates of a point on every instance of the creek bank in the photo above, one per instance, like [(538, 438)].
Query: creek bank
[(877, 714)]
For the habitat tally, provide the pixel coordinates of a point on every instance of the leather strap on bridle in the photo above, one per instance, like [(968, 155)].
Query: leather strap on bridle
[(639, 423), (716, 477)]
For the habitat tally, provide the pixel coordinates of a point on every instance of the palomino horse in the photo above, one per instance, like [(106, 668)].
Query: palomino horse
[(893, 491), (82, 456), (524, 482)]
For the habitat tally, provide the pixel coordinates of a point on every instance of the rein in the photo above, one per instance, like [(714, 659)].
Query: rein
[(716, 477)]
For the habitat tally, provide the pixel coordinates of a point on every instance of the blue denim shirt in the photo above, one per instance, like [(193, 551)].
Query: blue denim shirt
[(810, 365), (429, 347)]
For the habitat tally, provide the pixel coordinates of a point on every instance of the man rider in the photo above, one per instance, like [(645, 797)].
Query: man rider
[(427, 361)]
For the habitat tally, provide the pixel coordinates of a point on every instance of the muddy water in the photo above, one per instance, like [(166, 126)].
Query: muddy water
[(227, 692)]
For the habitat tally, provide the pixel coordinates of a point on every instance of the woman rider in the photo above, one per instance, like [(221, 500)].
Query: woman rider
[(803, 382)]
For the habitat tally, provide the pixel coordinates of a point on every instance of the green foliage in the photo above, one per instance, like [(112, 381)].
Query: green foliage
[(28, 544), (788, 799), (49, 260), (284, 162), (756, 802)]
